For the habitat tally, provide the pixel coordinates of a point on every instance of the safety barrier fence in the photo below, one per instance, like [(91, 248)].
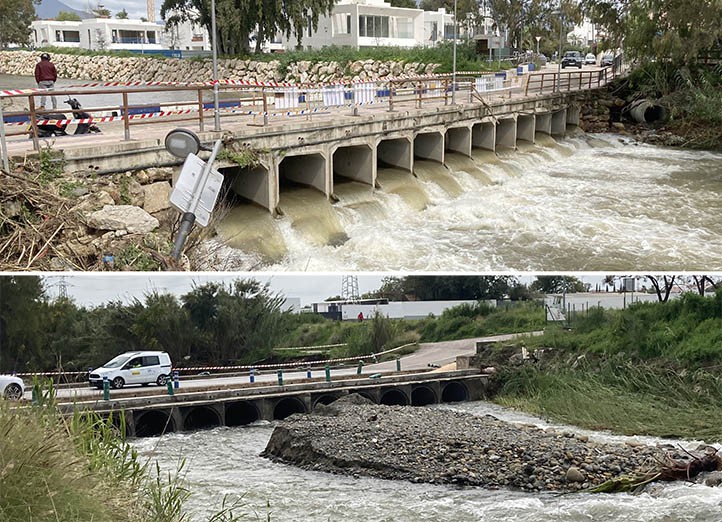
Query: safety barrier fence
[(76, 376), (257, 103)]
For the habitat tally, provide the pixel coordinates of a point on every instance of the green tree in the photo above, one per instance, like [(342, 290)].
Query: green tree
[(15, 19), (122, 15), (21, 322), (679, 31), (66, 16), (238, 19), (558, 284)]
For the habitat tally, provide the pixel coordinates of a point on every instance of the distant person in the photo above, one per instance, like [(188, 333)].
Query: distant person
[(46, 76), (360, 316)]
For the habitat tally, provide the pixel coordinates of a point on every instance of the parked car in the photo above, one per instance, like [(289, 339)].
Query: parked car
[(590, 59), (572, 59), (11, 387), (607, 60), (133, 368)]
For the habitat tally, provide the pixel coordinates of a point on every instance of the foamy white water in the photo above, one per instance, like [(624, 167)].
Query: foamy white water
[(225, 461), (590, 202)]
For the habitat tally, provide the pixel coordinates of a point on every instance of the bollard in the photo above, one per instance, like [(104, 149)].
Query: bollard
[(280, 377), (35, 394), (176, 379), (308, 373), (169, 384), (106, 388), (252, 375), (375, 376), (398, 364), (360, 365), (328, 374)]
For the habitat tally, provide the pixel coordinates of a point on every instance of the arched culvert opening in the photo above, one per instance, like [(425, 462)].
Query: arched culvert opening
[(394, 153), (241, 413), (246, 185), (288, 406), (430, 146), (324, 399), (454, 392), (153, 423), (394, 397), (307, 170), (423, 395), (645, 111), (368, 396), (201, 418), (354, 163)]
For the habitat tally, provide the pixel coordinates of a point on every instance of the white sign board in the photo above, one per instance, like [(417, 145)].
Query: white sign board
[(190, 187)]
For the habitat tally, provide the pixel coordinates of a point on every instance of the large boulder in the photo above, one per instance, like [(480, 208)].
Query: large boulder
[(124, 218)]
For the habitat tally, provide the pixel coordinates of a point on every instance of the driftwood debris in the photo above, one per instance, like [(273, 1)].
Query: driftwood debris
[(678, 465)]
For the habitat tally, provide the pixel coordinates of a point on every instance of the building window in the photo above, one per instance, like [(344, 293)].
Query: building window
[(58, 36), (448, 31), (342, 23), (373, 26), (405, 28), (71, 36)]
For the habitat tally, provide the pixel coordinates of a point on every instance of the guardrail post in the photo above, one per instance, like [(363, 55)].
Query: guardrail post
[(169, 385), (280, 377), (360, 365), (328, 373), (176, 379), (398, 364), (252, 375), (446, 92), (106, 388), (265, 106), (308, 373), (126, 117), (201, 123), (35, 393)]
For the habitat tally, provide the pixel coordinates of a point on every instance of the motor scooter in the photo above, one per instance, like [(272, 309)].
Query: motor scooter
[(79, 114)]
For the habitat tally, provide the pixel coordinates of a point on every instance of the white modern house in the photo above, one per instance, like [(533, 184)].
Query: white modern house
[(118, 34), (364, 23), (438, 26)]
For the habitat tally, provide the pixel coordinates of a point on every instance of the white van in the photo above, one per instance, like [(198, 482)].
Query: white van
[(133, 368)]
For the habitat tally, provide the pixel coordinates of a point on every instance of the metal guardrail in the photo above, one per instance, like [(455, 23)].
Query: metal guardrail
[(258, 103)]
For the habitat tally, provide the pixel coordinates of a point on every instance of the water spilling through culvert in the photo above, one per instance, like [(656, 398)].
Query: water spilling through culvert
[(225, 461), (595, 202)]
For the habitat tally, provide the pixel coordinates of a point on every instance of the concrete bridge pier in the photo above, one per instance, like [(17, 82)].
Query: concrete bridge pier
[(458, 139), (525, 128), (506, 134), (483, 135), (559, 123), (429, 145)]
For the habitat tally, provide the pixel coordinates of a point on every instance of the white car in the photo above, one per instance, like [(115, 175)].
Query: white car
[(11, 387), (590, 59), (133, 368)]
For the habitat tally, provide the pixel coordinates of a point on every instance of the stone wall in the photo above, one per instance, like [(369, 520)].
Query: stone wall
[(150, 69)]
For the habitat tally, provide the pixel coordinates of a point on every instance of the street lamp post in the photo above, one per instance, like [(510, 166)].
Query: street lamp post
[(537, 44), (453, 67), (559, 57), (216, 114)]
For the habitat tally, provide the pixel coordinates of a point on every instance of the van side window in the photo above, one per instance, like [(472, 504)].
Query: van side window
[(135, 363), (151, 360)]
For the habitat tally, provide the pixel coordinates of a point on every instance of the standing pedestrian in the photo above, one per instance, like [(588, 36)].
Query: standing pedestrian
[(46, 76)]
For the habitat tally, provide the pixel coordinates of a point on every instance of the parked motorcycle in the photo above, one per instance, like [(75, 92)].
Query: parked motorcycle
[(79, 114), (56, 129)]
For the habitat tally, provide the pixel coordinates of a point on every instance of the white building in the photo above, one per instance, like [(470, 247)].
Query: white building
[(364, 23), (118, 34), (438, 26), (349, 311)]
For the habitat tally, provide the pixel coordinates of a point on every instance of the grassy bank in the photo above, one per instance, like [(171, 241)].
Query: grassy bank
[(652, 369), (80, 469)]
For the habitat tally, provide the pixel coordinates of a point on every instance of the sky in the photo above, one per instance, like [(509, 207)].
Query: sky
[(135, 8), (94, 289)]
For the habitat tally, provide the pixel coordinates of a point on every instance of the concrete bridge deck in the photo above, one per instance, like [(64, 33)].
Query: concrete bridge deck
[(149, 415)]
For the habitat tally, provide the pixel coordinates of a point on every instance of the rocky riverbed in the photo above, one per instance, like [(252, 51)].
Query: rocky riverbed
[(442, 446)]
